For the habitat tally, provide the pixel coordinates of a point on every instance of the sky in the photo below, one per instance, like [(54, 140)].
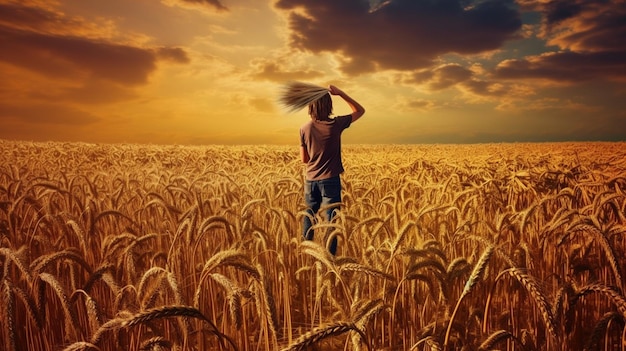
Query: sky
[(196, 72)]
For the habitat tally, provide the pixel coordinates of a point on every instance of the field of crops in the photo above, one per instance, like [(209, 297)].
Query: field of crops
[(441, 247)]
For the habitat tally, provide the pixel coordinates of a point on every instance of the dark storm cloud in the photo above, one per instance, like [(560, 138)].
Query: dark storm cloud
[(581, 25), (46, 42), (85, 66), (567, 67), (71, 57), (594, 26), (557, 11), (400, 34), (590, 35)]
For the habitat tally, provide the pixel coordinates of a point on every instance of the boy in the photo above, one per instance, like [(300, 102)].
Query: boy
[(320, 150)]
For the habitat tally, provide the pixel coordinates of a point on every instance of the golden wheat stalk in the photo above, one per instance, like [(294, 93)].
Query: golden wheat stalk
[(91, 306), (609, 291), (362, 316), (9, 315), (28, 303), (13, 256), (155, 343), (166, 312), (40, 264), (321, 333), (540, 298), (477, 272), (104, 272), (265, 302), (174, 311), (149, 285), (601, 238), (80, 234), (432, 342), (71, 322), (234, 295), (495, 338), (112, 324), (82, 346), (368, 271), (298, 95)]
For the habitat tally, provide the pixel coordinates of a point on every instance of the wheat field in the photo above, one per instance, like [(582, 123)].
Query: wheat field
[(441, 247)]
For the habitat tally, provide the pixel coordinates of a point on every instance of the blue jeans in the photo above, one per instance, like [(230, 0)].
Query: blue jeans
[(317, 194)]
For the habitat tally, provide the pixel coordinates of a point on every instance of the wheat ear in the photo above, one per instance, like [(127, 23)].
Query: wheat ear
[(477, 272), (298, 95), (321, 333), (233, 294), (538, 295), (109, 325), (177, 311), (613, 293), (40, 264), (70, 317), (11, 255), (29, 304), (9, 315), (82, 346), (155, 343), (495, 338)]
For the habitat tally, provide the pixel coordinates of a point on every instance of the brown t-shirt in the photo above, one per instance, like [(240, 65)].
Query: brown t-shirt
[(322, 140)]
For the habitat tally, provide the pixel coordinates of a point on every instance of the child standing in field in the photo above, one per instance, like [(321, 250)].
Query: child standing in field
[(320, 150)]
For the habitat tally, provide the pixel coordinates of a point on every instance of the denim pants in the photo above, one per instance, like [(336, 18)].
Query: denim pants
[(318, 194)]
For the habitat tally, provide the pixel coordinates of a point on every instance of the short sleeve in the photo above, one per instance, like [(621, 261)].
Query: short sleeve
[(344, 121)]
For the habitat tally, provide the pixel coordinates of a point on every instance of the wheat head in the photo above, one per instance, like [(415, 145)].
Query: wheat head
[(298, 95)]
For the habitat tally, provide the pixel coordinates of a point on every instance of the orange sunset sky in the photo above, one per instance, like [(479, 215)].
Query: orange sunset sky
[(210, 71)]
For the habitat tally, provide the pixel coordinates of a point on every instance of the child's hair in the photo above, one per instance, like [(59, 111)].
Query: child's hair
[(321, 108)]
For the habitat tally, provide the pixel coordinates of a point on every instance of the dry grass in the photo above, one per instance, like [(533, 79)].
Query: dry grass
[(108, 247)]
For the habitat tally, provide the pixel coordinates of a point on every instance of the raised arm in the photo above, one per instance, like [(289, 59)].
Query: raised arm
[(357, 109)]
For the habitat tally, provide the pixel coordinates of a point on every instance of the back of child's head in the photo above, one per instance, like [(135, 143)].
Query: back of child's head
[(321, 108)]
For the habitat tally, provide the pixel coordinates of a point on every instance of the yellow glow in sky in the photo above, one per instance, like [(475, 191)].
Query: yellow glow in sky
[(210, 71)]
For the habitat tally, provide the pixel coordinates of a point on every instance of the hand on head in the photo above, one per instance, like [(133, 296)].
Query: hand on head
[(334, 90)]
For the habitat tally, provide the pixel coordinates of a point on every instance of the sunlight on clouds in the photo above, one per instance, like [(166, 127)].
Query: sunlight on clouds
[(209, 71), (208, 6)]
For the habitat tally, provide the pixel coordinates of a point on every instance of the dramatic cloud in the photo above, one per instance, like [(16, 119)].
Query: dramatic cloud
[(399, 34), (566, 66), (65, 53), (61, 66), (590, 36), (208, 71), (73, 57), (581, 25), (216, 4), (442, 77)]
